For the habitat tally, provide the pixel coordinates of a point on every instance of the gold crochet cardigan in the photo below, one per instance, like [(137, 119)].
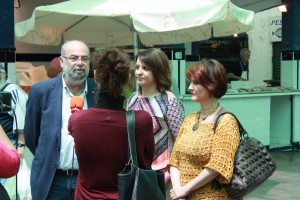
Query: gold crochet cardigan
[(195, 150)]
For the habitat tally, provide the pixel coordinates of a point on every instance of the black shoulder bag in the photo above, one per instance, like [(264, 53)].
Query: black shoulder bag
[(252, 164), (3, 193), (135, 183)]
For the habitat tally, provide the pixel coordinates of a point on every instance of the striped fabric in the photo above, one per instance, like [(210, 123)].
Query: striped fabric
[(167, 115)]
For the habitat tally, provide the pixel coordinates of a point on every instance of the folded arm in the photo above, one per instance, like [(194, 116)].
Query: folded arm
[(179, 191)]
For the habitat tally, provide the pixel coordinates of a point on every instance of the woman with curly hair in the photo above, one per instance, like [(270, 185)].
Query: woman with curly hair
[(100, 133)]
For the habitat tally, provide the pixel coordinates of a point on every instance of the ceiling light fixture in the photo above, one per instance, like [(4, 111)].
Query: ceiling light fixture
[(282, 8)]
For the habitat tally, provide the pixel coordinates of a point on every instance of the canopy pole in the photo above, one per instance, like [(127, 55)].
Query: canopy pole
[(135, 45)]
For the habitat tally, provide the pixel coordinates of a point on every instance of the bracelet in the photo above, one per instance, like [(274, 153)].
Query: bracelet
[(21, 145)]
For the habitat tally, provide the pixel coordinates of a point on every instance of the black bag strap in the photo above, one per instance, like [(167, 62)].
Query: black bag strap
[(5, 86), (243, 132), (130, 118), (3, 193)]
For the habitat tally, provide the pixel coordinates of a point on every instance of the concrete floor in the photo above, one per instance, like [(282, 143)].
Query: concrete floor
[(284, 184)]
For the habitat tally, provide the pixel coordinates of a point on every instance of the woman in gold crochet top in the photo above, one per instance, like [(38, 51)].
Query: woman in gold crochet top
[(201, 156)]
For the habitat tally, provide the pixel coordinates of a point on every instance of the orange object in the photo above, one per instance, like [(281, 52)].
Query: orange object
[(76, 104)]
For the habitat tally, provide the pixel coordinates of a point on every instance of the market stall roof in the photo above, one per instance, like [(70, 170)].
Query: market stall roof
[(257, 5), (155, 22)]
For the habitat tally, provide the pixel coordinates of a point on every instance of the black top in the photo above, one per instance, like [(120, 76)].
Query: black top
[(114, 102), (237, 67)]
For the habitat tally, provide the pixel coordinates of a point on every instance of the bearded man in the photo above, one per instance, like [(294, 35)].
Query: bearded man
[(55, 167)]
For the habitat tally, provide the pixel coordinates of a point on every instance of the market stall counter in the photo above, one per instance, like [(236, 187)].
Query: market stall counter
[(270, 114)]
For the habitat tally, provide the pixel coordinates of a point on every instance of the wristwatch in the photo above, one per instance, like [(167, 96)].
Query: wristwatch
[(21, 145)]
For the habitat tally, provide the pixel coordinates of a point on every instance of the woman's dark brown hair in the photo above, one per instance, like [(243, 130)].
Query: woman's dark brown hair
[(210, 74), (111, 70), (159, 64)]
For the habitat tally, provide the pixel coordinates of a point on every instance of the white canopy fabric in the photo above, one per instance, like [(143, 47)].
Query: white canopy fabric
[(118, 22)]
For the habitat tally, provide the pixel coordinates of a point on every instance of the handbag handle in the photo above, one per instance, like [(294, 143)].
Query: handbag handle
[(243, 132), (130, 118)]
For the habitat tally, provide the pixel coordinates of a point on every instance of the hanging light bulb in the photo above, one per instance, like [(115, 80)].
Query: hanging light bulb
[(282, 8)]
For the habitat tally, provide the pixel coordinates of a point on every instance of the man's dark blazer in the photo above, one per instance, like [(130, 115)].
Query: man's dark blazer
[(43, 131)]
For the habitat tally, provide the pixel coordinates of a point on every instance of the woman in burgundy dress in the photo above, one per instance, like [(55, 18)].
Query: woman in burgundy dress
[(100, 133)]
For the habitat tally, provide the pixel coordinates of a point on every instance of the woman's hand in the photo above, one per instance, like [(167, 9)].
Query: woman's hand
[(21, 144), (178, 193), (21, 151)]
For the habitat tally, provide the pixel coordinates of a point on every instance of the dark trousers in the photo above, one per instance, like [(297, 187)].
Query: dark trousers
[(63, 187)]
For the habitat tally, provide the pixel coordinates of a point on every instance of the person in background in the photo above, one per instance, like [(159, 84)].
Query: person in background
[(240, 68), (201, 156), (54, 69), (55, 167), (153, 76), (9, 157), (102, 150), (13, 121)]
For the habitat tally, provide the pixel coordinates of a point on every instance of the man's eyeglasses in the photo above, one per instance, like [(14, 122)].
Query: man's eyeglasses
[(75, 59)]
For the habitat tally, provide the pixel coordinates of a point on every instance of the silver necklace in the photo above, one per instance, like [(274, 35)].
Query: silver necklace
[(199, 119)]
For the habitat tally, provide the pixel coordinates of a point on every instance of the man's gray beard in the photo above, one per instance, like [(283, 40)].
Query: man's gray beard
[(73, 79)]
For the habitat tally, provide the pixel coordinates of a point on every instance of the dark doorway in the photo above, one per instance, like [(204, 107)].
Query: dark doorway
[(276, 60)]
